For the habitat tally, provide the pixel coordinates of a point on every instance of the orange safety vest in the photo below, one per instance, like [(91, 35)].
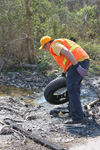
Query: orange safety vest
[(73, 47)]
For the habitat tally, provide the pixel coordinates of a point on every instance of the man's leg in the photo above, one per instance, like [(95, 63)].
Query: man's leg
[(73, 86)]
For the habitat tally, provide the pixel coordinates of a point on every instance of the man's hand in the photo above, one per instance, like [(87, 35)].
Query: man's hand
[(83, 72), (63, 74)]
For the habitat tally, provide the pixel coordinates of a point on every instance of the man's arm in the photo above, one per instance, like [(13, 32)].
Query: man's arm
[(68, 55)]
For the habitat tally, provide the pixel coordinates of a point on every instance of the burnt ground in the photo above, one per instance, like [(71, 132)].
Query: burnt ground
[(46, 121)]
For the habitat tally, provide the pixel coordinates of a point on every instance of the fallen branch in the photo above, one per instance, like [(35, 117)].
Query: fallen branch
[(25, 66), (91, 104), (33, 136)]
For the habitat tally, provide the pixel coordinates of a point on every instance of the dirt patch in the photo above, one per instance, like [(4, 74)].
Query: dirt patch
[(48, 122)]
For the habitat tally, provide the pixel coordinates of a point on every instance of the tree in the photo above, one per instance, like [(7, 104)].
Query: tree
[(29, 43)]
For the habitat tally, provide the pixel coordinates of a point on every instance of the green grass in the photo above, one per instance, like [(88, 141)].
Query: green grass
[(94, 67)]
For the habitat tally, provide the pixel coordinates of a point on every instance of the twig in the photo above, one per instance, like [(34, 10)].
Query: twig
[(2, 64), (13, 120), (1, 122), (10, 109), (21, 38), (20, 134)]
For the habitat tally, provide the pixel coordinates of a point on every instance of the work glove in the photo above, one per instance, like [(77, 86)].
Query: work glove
[(83, 72), (63, 74)]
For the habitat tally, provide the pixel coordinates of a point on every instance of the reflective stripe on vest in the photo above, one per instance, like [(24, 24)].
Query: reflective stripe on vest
[(72, 48)]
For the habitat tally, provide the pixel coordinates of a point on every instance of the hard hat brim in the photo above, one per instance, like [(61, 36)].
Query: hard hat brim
[(41, 47)]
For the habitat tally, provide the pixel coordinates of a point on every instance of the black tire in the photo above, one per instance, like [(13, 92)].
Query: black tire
[(52, 87)]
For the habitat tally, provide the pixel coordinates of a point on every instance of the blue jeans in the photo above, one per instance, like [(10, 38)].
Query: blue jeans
[(73, 87)]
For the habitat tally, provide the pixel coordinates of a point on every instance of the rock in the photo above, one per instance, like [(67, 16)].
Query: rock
[(6, 130), (32, 117)]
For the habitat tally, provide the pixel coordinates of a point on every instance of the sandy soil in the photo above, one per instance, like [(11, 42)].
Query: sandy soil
[(87, 143)]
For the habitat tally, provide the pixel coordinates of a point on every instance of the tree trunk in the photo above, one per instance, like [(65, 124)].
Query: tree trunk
[(29, 43)]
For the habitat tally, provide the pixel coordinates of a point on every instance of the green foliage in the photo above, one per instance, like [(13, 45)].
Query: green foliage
[(85, 22), (43, 62), (94, 67), (92, 49), (59, 19), (42, 67)]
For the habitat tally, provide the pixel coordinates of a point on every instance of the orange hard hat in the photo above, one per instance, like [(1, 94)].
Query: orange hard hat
[(44, 40)]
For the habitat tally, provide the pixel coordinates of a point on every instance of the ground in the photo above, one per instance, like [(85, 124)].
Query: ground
[(48, 122)]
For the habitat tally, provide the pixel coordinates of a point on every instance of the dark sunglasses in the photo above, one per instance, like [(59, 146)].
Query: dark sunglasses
[(44, 45)]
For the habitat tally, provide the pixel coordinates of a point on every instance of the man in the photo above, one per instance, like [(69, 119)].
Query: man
[(74, 60)]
